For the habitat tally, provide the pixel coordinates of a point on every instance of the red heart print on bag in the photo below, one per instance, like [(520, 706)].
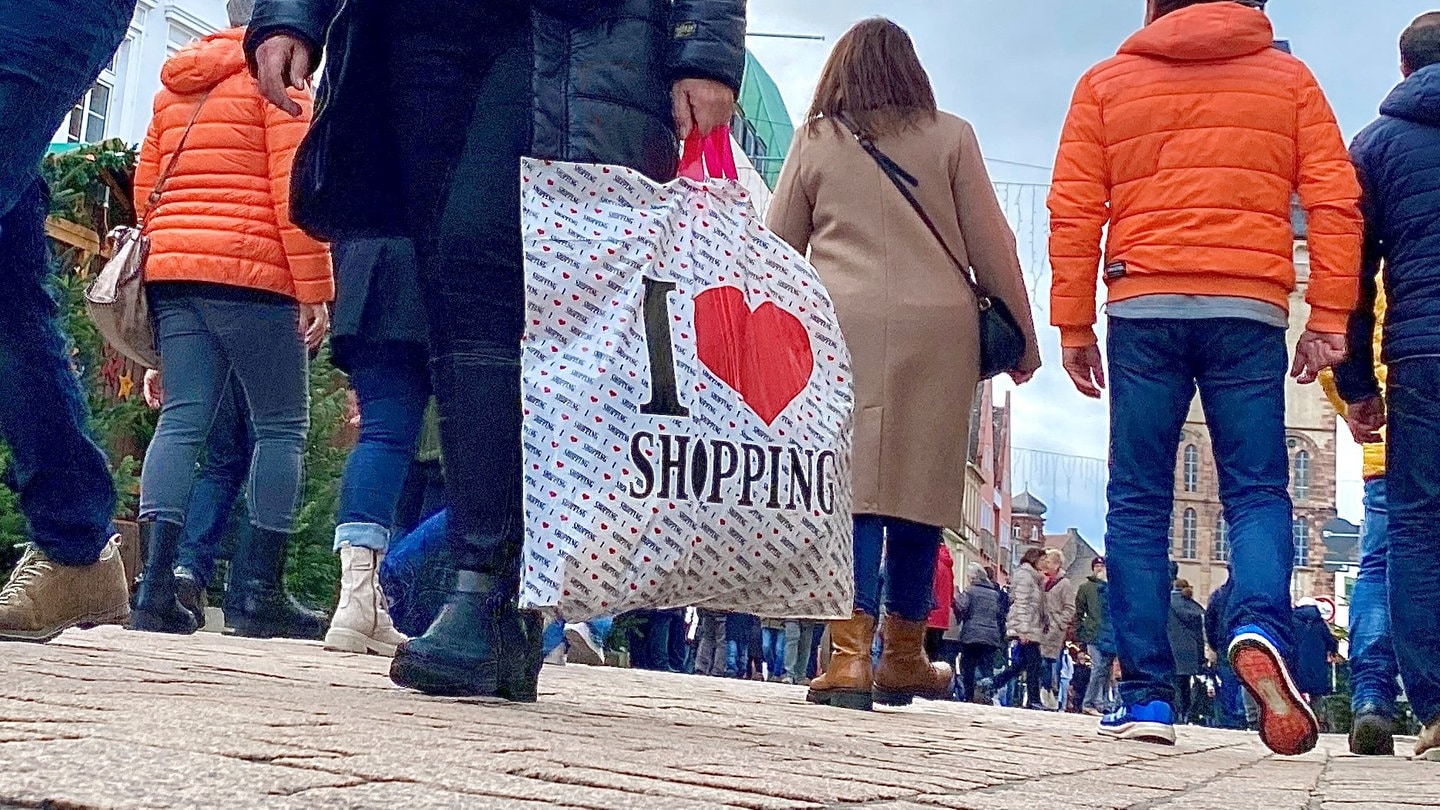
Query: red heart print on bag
[(763, 354)]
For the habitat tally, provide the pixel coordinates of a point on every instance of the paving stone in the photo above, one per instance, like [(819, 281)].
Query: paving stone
[(113, 719)]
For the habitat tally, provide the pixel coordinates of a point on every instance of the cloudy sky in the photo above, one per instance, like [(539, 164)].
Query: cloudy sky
[(1010, 67)]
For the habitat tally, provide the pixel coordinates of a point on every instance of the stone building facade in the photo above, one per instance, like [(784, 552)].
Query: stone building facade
[(1199, 534)]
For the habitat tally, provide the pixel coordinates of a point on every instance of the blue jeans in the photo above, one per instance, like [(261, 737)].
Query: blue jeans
[(1413, 487), (1239, 367), (772, 642), (908, 551), (50, 53), (1373, 671), (204, 339), (222, 475), (392, 385)]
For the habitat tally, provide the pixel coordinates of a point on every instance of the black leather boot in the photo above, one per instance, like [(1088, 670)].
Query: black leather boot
[(459, 655), (256, 602), (522, 654), (157, 608)]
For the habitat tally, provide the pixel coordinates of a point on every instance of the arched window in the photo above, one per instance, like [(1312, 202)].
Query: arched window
[(1189, 546), (1301, 531), (1192, 468), (1301, 482), (1222, 539)]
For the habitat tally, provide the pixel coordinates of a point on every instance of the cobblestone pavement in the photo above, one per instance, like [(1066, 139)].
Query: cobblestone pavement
[(108, 718)]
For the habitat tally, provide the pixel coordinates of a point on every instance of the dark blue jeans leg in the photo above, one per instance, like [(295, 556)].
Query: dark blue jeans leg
[(910, 550), (227, 464), (50, 52), (1151, 386), (1373, 671), (1241, 366), (1412, 483), (392, 384), (869, 545)]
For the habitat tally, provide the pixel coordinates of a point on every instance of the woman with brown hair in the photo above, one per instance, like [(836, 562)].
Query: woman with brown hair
[(911, 322)]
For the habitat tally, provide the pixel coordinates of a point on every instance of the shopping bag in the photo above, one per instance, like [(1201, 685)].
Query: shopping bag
[(688, 404)]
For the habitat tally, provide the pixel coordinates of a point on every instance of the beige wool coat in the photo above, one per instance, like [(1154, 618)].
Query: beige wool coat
[(908, 317)]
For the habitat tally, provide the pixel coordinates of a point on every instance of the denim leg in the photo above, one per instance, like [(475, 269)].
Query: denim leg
[(392, 385), (1098, 692), (196, 374), (267, 355), (212, 500), (910, 551), (1150, 392), (1412, 485), (600, 630), (1241, 368), (1373, 671), (554, 636), (50, 52), (869, 545)]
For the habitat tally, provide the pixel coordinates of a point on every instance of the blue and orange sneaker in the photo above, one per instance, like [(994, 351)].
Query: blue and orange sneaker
[(1287, 725), (1152, 722)]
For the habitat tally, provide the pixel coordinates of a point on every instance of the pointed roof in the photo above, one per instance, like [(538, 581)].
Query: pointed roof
[(1027, 504)]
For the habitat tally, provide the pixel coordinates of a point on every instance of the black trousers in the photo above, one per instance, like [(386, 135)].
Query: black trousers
[(461, 88), (976, 660), (1031, 663)]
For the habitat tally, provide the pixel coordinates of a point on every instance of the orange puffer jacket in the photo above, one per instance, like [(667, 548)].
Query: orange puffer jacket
[(225, 214), (1190, 145)]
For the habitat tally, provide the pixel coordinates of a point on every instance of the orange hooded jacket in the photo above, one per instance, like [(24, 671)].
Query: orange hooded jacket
[(225, 214), (1190, 144)]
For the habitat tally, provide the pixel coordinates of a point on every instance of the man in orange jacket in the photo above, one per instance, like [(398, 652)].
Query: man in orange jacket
[(1190, 145)]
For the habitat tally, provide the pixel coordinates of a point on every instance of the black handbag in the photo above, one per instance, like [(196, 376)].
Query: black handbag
[(1002, 341)]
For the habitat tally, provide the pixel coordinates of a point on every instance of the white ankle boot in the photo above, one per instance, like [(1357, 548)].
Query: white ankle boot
[(361, 623)]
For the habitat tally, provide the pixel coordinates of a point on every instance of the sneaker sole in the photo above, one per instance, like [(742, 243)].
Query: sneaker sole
[(1287, 725), (340, 639), (1157, 733), (87, 622), (1433, 755)]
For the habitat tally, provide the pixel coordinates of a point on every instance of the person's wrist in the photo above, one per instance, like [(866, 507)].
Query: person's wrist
[(1078, 337)]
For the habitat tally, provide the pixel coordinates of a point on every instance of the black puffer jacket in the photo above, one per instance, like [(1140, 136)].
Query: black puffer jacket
[(603, 71)]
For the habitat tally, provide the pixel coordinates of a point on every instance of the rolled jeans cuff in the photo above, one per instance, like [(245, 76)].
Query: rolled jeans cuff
[(362, 535)]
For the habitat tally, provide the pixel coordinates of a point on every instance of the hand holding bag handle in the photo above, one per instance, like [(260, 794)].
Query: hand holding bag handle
[(1002, 341)]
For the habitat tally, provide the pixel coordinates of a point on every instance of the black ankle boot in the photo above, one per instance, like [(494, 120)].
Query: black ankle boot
[(522, 653), (157, 608), (459, 655), (256, 602)]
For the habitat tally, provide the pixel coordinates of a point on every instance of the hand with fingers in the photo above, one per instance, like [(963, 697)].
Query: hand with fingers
[(282, 62), (1316, 352), (1366, 419), (1086, 369), (154, 389), (701, 105), (314, 324)]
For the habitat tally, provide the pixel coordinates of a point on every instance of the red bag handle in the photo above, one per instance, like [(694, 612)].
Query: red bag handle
[(709, 157)]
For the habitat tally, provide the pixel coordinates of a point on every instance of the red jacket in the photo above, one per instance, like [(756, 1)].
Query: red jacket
[(1190, 145), (944, 589)]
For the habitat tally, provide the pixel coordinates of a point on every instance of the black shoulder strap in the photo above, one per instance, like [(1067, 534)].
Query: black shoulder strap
[(904, 181)]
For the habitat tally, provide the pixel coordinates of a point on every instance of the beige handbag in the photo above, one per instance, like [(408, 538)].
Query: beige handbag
[(116, 298)]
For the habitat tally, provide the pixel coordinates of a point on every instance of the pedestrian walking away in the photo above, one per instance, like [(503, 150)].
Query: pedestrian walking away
[(1396, 158), (1025, 624), (1199, 113), (238, 292), (981, 614), (914, 385)]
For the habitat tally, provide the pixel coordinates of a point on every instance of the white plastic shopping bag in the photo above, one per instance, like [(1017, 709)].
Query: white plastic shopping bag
[(687, 399)]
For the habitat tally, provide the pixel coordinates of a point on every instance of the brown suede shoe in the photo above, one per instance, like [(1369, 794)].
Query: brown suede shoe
[(44, 598), (847, 682), (905, 672)]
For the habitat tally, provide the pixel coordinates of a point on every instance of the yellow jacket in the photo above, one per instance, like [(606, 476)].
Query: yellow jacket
[(1374, 453)]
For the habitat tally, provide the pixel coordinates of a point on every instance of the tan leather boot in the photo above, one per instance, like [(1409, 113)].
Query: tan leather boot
[(847, 681), (905, 672), (44, 598)]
